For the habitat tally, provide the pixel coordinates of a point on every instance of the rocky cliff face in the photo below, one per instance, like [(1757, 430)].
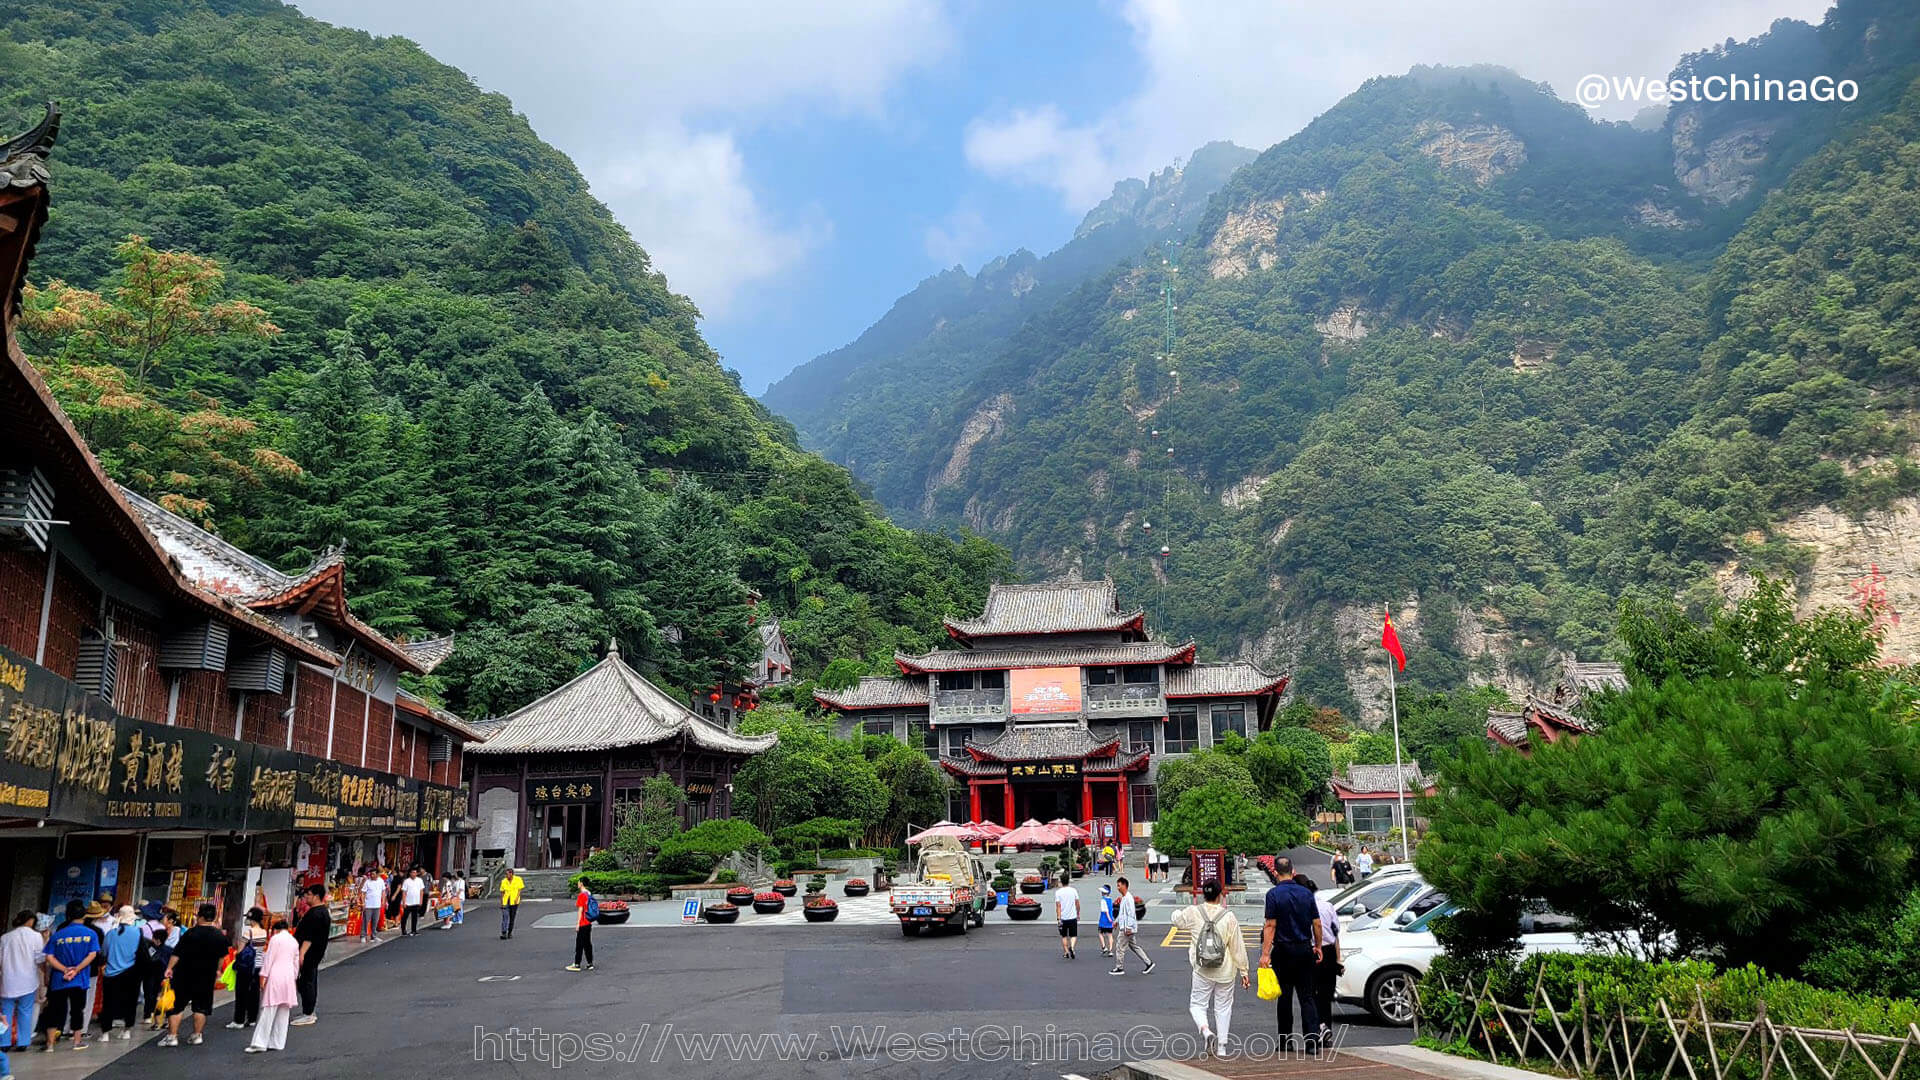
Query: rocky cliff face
[(1172, 198), (1720, 167), (1868, 564)]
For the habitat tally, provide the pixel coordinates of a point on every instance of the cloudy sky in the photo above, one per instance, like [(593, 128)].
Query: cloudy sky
[(794, 167)]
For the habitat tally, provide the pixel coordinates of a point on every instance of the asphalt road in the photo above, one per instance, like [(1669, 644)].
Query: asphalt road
[(688, 1001)]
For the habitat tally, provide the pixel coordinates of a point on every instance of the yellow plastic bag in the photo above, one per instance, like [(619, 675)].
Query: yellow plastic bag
[(1269, 985), (165, 1004)]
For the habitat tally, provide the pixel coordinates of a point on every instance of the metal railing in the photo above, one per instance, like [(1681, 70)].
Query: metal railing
[(955, 704), (1134, 698)]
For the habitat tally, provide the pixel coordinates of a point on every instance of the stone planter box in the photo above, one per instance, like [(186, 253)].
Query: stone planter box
[(706, 892)]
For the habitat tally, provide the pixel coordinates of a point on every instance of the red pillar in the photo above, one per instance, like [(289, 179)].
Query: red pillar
[(1126, 817), (1086, 799), (973, 799), (1007, 817)]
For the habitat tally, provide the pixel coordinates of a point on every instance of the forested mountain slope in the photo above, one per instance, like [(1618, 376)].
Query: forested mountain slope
[(866, 404), (1458, 347), (483, 388)]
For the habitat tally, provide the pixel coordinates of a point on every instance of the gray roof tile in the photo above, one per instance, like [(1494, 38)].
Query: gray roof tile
[(877, 692), (1379, 779), (1229, 677), (1048, 607), (1130, 652)]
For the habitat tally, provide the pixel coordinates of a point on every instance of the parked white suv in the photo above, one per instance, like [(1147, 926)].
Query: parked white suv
[(1380, 965)]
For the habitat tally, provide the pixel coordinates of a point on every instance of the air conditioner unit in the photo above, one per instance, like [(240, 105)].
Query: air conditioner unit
[(97, 667)]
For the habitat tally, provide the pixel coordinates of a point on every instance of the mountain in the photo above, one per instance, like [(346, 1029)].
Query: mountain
[(479, 383), (861, 402), (1457, 347)]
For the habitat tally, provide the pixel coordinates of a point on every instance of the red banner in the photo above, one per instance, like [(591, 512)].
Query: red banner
[(1045, 690)]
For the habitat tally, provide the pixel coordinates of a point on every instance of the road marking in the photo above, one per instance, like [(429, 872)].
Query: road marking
[(1179, 939), (499, 978)]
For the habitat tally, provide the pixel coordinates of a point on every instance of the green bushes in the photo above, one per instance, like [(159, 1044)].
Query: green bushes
[(624, 882), (601, 861), (700, 848)]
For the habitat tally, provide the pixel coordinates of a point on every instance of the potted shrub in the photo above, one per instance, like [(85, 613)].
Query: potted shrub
[(856, 887), (740, 897), (612, 912), (1002, 887), (816, 884), (1033, 883), (1023, 908), (1003, 865), (785, 887), (722, 912), (820, 908), (769, 903)]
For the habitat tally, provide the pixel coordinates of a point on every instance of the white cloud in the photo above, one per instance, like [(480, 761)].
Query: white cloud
[(650, 99), (956, 238), (1255, 71)]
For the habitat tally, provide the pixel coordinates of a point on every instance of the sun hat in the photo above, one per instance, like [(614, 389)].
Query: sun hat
[(95, 910), (125, 916)]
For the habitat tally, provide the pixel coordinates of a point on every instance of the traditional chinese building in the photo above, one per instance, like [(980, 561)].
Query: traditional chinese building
[(551, 776), (1371, 795), (1557, 714), (178, 720), (1058, 703)]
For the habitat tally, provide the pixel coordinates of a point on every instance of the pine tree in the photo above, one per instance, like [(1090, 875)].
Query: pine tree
[(694, 587)]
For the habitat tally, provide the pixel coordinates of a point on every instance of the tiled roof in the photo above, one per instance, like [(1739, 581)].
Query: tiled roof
[(877, 692), (421, 707), (1557, 714), (1131, 652), (1044, 742), (1230, 677), (429, 653), (1048, 608), (1379, 779), (1508, 727), (1588, 676), (605, 707)]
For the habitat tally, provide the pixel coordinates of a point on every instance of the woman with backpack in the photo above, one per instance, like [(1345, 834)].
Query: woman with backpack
[(1106, 920), (1218, 955), (246, 970)]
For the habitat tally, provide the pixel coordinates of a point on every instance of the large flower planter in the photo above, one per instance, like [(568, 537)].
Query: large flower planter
[(820, 914), (852, 888), (1023, 912), (1033, 888), (721, 914), (740, 897), (994, 899), (769, 907), (612, 918), (785, 888)]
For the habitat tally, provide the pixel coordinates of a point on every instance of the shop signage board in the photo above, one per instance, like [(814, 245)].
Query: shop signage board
[(563, 789), (117, 771), (1044, 770), (366, 800), (31, 702)]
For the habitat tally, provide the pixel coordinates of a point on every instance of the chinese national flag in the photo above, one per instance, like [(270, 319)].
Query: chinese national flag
[(1390, 641)]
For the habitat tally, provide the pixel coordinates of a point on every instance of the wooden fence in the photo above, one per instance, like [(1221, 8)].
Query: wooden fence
[(1662, 1043)]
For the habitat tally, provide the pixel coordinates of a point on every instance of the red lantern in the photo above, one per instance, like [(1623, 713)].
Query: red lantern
[(715, 696)]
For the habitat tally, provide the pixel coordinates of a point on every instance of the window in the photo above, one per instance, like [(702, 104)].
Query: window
[(993, 680), (1146, 802), (1102, 676), (877, 725), (925, 736), (957, 740), (1371, 817), (1229, 718), (1140, 733), (1183, 729), (1141, 673), (957, 680)]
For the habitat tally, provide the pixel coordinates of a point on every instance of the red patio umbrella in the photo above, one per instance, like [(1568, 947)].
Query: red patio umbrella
[(947, 828), (988, 828), (1069, 830), (1032, 832)]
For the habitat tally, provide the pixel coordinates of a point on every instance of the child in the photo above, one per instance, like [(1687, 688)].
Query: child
[(1106, 920)]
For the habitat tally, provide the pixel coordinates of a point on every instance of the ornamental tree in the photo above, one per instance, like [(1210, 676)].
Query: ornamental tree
[(700, 849), (1219, 815), (1753, 776)]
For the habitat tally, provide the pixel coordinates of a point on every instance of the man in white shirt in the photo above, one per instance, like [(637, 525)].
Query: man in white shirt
[(1153, 861), (373, 903), (22, 952), (413, 894), (1364, 864), (1066, 911), (1126, 923), (1211, 998)]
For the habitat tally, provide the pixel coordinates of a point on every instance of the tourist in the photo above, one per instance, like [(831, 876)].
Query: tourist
[(1342, 868), (1218, 955), (163, 927), (373, 901), (1290, 945), (1363, 863), (313, 931), (192, 971), (443, 902), (1327, 972), (413, 894), (1066, 911), (100, 918), (459, 897), (1153, 861), (278, 990), (510, 887), (1126, 923), (122, 948), (583, 934), (1106, 860), (70, 952), (22, 955), (1106, 920), (246, 970), (1120, 859), (1166, 865)]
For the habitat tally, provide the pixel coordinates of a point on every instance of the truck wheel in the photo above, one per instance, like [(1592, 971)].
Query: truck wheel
[(979, 918)]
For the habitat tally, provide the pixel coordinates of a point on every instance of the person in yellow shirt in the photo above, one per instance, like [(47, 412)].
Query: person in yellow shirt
[(510, 887)]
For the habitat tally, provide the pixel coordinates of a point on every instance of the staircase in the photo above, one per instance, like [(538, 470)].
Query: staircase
[(546, 884)]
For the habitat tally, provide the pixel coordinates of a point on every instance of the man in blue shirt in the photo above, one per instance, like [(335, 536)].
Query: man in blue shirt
[(70, 954), (1290, 945)]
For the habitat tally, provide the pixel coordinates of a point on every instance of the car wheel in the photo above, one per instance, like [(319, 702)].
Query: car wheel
[(962, 924), (1390, 996)]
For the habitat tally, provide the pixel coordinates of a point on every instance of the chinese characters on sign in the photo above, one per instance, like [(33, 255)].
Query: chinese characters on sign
[(561, 790), (1052, 770)]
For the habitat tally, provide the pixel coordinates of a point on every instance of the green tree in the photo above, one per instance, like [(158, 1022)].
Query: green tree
[(1290, 766), (700, 849), (643, 825), (1216, 765), (694, 589), (1220, 815), (817, 834)]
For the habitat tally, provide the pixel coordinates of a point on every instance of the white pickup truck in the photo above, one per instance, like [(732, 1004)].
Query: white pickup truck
[(949, 887)]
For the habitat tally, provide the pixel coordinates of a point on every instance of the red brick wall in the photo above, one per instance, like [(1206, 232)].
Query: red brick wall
[(379, 735), (310, 715), (75, 604), (262, 723), (347, 718), (140, 689), (23, 576), (205, 704)]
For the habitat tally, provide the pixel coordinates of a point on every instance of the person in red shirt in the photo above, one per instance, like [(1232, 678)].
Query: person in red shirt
[(582, 937)]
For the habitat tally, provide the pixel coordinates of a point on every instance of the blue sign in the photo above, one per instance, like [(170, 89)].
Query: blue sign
[(691, 911)]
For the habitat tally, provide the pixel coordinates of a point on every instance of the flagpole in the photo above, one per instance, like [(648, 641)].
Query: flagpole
[(1399, 770)]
